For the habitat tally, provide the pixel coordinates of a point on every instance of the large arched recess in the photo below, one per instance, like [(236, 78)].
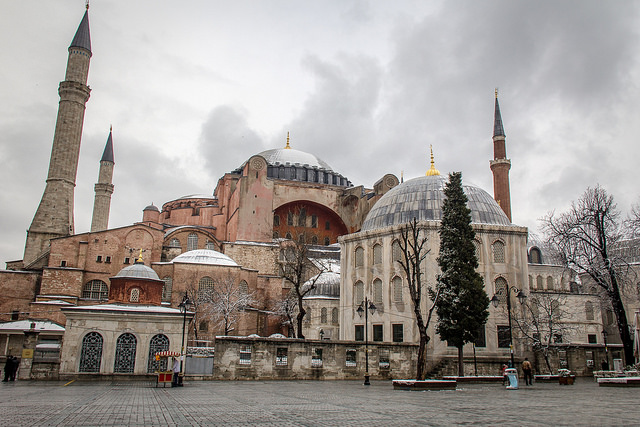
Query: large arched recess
[(320, 224)]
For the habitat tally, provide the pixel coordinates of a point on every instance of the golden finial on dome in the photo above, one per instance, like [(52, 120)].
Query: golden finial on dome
[(432, 170), (140, 260), (496, 93), (87, 5), (288, 147)]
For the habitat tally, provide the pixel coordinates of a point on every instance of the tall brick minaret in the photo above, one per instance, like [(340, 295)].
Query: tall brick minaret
[(54, 216), (500, 165), (103, 188)]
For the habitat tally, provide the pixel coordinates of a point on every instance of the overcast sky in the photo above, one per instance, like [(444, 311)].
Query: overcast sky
[(194, 88)]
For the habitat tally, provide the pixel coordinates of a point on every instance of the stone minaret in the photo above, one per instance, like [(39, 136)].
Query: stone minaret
[(500, 165), (103, 188), (54, 217)]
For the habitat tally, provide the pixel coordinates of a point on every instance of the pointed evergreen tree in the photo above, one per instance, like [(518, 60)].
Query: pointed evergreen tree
[(463, 303)]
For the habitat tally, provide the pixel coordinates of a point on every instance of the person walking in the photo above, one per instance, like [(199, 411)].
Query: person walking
[(10, 367), (526, 369), (176, 372), (505, 380)]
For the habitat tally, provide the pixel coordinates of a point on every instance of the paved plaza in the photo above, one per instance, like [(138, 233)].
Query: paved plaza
[(311, 403)]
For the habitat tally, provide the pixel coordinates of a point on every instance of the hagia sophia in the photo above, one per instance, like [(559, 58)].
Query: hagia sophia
[(114, 288)]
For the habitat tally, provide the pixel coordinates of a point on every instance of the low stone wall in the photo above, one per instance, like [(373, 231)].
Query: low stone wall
[(240, 358)]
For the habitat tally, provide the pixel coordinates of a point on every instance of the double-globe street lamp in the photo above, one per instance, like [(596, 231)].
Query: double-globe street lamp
[(496, 300), (184, 307), (364, 308)]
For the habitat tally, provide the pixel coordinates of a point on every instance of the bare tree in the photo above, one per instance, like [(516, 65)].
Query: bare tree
[(585, 237), (543, 322), (226, 302), (287, 308), (299, 268), (413, 243)]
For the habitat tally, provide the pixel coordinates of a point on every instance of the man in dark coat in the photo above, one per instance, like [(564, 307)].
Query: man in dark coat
[(8, 369)]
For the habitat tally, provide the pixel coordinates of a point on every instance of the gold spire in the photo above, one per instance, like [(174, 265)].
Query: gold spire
[(288, 147), (496, 93), (140, 260), (432, 171), (87, 5)]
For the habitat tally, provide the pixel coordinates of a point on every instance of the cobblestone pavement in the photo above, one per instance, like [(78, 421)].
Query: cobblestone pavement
[(311, 403)]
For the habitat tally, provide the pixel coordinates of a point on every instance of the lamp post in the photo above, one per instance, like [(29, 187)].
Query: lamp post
[(366, 307), (184, 306), (606, 348), (496, 300)]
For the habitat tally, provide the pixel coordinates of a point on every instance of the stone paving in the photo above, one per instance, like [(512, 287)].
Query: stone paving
[(311, 403)]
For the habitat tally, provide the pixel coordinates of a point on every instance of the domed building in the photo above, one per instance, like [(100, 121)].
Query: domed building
[(322, 305), (370, 269)]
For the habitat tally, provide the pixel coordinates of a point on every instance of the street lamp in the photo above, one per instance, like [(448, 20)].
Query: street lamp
[(366, 307), (496, 300), (184, 307), (606, 348)]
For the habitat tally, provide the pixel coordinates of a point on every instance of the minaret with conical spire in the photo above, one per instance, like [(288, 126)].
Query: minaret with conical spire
[(103, 188), (54, 216), (500, 165)]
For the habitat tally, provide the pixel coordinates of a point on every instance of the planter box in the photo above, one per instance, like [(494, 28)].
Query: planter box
[(619, 382), (424, 385), (566, 380)]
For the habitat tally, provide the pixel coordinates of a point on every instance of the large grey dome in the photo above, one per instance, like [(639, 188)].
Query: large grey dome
[(283, 156), (327, 286), (204, 256), (422, 198), (138, 271)]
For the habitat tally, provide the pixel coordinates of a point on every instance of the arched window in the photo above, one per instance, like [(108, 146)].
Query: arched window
[(158, 343), (323, 315), (276, 235), (302, 218), (210, 245), (359, 256), (358, 293), (539, 282), (377, 292), (531, 283), (550, 283), (301, 238), (377, 254), (498, 251), (290, 218), (555, 309), (588, 309), (396, 252), (174, 243), (501, 289), (327, 241), (314, 240), (135, 295), (243, 287), (205, 288), (535, 255), (95, 289), (125, 354), (476, 248), (192, 242), (288, 236), (166, 289), (397, 289), (204, 326), (562, 284), (91, 353), (276, 220), (334, 315)]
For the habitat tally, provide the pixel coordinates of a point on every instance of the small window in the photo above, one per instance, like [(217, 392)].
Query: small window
[(481, 339), (358, 292), (498, 252), (327, 241), (334, 315), (377, 292), (245, 355), (323, 315), (276, 220), (397, 290), (536, 257), (550, 283), (476, 249), (327, 225), (383, 358), (378, 333), (301, 239), (99, 258), (63, 263), (15, 315), (290, 218), (276, 235), (398, 332), (288, 236), (302, 218), (396, 251), (282, 356), (192, 242), (588, 308), (210, 245), (503, 336), (135, 295), (243, 287), (351, 358), (203, 327), (501, 289), (531, 282), (314, 240), (127, 260), (359, 256), (316, 358), (592, 338), (377, 254), (359, 329), (539, 282), (174, 243), (557, 338)]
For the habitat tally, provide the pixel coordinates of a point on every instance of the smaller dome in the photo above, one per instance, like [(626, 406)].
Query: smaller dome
[(204, 256), (138, 271), (327, 285), (151, 207)]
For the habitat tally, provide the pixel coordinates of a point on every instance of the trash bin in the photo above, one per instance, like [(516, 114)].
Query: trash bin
[(512, 375)]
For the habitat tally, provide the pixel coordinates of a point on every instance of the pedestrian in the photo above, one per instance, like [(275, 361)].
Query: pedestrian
[(605, 365), (505, 380), (176, 372), (526, 369), (9, 374)]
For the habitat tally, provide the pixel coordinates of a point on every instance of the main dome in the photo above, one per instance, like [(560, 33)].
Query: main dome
[(284, 156), (204, 256), (422, 198)]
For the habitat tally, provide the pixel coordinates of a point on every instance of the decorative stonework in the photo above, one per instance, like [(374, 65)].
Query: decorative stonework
[(257, 163)]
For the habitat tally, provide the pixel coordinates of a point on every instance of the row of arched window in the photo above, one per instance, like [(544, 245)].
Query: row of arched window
[(125, 353), (497, 249), (378, 292), (549, 284), (192, 243), (302, 238)]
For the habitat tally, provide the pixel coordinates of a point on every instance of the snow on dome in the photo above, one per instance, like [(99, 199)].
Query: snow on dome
[(327, 285), (204, 256), (282, 156), (422, 198), (138, 271)]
